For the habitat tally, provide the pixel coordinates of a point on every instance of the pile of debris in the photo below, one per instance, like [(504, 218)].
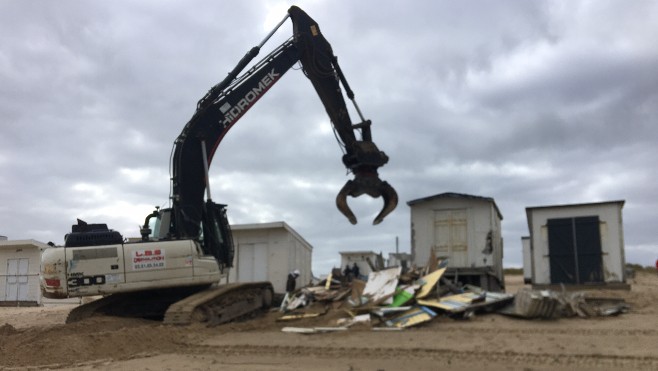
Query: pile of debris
[(546, 304), (390, 300)]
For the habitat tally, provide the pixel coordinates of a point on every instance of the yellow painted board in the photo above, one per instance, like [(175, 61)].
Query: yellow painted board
[(298, 316), (412, 321), (429, 282), (327, 285), (412, 317), (452, 302)]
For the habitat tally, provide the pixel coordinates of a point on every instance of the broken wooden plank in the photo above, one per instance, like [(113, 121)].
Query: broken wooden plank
[(428, 282), (412, 317), (292, 317), (299, 330), (363, 319), (387, 311), (467, 301), (381, 284), (312, 330)]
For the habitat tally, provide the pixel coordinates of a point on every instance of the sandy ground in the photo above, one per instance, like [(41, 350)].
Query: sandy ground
[(37, 338)]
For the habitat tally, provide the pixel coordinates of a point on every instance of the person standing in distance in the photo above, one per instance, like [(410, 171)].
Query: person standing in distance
[(291, 284)]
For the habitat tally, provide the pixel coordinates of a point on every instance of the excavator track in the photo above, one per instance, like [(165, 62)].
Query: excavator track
[(90, 309), (221, 304), (149, 304), (185, 305)]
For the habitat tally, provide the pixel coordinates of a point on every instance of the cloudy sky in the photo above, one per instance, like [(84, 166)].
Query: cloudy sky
[(528, 102)]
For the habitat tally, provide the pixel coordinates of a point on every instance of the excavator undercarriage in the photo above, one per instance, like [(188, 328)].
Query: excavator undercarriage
[(183, 305)]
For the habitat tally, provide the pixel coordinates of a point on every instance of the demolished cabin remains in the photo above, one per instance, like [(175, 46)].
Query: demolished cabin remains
[(578, 245), (466, 230)]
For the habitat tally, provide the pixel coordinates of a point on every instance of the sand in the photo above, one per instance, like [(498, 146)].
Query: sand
[(38, 338)]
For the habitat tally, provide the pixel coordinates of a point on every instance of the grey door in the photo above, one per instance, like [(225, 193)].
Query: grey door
[(574, 248)]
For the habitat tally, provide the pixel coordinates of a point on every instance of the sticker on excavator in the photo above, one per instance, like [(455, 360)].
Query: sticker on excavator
[(148, 259), (113, 278)]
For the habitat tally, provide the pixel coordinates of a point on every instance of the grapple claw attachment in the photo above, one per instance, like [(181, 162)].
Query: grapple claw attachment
[(390, 202), (372, 186), (341, 201)]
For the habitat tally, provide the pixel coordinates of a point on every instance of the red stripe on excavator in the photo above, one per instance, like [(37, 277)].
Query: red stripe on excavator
[(53, 282)]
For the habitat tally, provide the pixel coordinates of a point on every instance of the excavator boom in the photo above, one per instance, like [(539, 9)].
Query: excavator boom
[(228, 101)]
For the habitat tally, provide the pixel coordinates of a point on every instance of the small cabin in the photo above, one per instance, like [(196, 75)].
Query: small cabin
[(466, 230), (268, 252), (577, 245), (19, 272)]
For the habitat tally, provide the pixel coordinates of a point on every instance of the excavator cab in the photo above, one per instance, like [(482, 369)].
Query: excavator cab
[(215, 236), (157, 225)]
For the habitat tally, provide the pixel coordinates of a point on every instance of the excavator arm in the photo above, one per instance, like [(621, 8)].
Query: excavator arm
[(228, 101), (362, 157)]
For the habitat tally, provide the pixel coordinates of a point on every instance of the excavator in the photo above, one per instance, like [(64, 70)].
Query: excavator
[(177, 272)]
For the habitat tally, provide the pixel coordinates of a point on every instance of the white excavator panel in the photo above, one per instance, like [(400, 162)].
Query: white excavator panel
[(168, 264), (81, 271), (100, 270)]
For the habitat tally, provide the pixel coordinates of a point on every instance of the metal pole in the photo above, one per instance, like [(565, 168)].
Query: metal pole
[(273, 31)]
